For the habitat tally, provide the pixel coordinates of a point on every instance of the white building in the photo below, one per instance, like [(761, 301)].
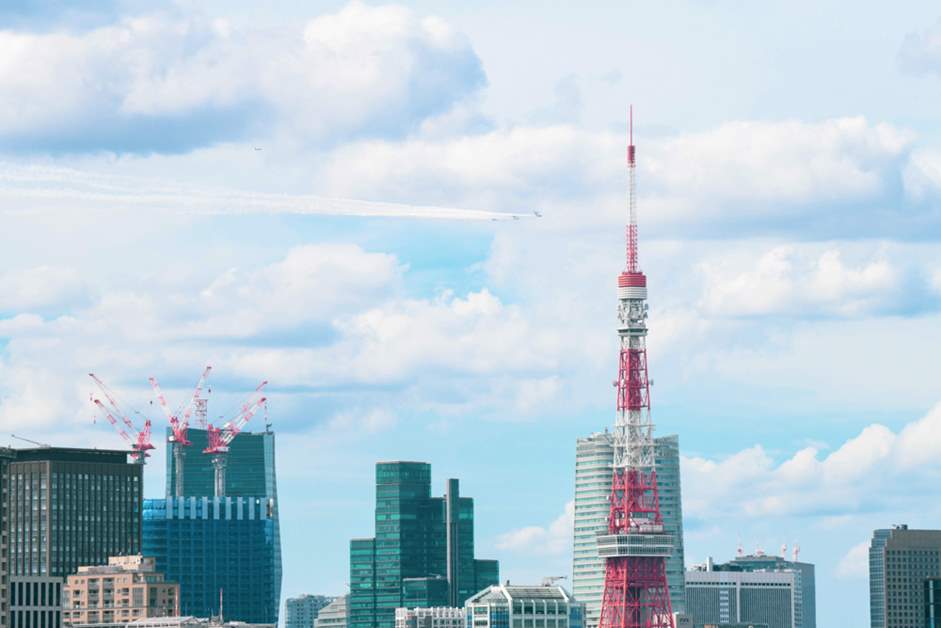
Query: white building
[(594, 456), (435, 617), (509, 606), (334, 614)]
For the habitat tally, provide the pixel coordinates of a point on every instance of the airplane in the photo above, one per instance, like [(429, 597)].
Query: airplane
[(537, 213)]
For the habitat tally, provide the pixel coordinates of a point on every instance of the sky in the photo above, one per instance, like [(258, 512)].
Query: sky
[(166, 170)]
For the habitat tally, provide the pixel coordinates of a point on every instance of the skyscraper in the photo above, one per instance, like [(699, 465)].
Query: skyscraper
[(214, 546), (423, 550), (71, 507), (900, 563), (805, 593), (250, 470), (594, 456)]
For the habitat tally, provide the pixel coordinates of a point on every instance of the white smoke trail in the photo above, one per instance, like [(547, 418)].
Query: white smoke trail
[(42, 189)]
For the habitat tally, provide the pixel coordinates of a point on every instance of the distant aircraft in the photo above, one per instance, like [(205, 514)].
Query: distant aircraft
[(537, 213), (516, 217), (257, 148)]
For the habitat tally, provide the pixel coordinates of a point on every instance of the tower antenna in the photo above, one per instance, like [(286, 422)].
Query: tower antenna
[(636, 545)]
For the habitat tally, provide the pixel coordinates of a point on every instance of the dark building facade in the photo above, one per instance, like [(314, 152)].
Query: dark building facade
[(423, 551), (901, 560), (71, 507), (211, 545)]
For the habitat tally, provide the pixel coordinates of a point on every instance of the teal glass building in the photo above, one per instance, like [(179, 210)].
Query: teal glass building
[(217, 545), (231, 543), (423, 551)]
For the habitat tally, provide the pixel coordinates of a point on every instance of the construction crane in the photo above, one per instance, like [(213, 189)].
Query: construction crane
[(179, 422), (221, 437), (138, 439), (30, 440)]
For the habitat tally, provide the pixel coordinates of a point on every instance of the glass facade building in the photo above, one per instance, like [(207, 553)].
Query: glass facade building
[(594, 456), (420, 541), (250, 470), (900, 562), (211, 545)]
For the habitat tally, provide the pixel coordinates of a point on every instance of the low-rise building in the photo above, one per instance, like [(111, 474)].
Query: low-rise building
[(302, 611), (434, 617), (128, 588), (334, 614), (512, 606)]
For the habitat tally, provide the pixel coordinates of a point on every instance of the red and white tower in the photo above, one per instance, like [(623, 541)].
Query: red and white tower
[(635, 547)]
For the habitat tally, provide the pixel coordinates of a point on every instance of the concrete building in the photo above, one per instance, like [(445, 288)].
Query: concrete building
[(730, 597), (514, 606), (423, 551), (594, 456), (211, 544), (805, 596), (334, 614), (435, 617), (301, 611), (900, 563), (126, 589), (71, 507), (35, 601)]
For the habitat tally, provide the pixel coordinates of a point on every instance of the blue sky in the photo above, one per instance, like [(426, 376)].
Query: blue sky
[(789, 177)]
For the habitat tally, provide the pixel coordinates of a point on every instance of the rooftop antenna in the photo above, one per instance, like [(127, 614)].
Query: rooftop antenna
[(795, 553)]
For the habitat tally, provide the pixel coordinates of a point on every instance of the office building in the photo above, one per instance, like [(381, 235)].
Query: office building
[(7, 455), (805, 597), (734, 596), (436, 617), (71, 507), (210, 545), (420, 541), (900, 562), (301, 611), (513, 606), (126, 589), (594, 456), (334, 614), (35, 601), (933, 603), (250, 466)]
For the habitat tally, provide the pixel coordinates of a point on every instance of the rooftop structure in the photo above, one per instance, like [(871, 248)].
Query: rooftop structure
[(514, 606), (434, 617), (334, 614)]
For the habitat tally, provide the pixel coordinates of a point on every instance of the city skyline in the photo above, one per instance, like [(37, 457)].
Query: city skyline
[(788, 175)]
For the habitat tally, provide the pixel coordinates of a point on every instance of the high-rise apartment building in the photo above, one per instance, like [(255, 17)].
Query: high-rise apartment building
[(423, 550), (71, 507), (747, 597), (218, 547), (302, 611), (900, 563), (594, 457), (514, 606), (128, 588)]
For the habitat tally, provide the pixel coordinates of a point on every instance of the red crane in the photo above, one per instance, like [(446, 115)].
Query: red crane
[(138, 439), (179, 422), (221, 437)]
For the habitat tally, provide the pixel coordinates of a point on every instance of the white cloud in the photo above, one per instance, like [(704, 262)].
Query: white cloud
[(855, 563), (863, 473), (40, 288), (165, 81), (554, 538), (802, 283), (921, 52)]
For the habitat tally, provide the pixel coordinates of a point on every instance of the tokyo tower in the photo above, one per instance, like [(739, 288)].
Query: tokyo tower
[(635, 546)]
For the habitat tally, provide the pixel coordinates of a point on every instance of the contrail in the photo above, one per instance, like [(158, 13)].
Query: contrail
[(25, 190)]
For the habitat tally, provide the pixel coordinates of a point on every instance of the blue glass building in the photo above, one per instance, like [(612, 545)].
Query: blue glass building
[(214, 546)]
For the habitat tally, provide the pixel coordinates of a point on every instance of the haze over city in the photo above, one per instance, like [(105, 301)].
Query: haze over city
[(409, 219)]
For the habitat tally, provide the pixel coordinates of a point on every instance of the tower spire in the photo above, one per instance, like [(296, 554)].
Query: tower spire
[(635, 546)]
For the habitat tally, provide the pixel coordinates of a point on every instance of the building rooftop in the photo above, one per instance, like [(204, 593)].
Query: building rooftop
[(70, 454), (509, 592)]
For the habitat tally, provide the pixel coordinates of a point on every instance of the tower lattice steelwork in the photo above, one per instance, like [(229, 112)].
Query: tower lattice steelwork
[(635, 546)]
